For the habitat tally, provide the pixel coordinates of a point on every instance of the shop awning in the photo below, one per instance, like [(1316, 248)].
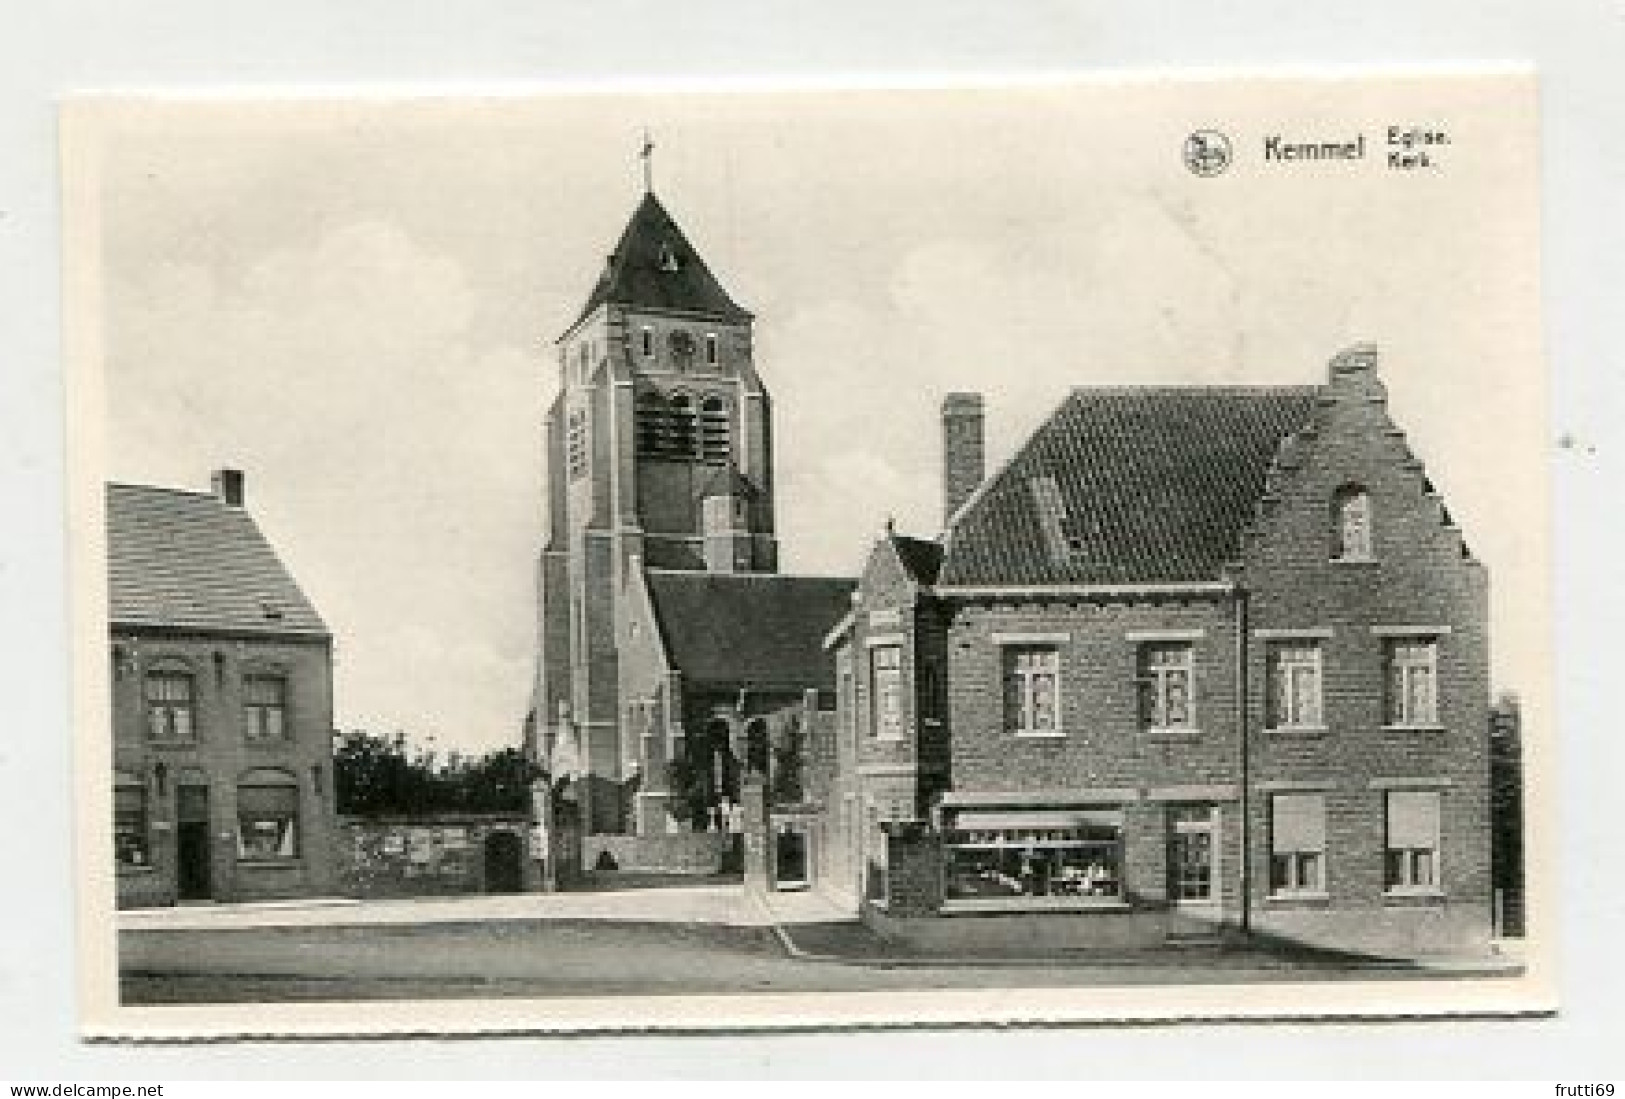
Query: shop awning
[(985, 819)]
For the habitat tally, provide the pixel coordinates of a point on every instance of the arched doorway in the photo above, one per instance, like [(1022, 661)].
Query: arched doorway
[(504, 863)]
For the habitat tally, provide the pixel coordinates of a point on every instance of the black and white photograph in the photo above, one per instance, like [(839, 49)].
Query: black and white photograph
[(713, 558)]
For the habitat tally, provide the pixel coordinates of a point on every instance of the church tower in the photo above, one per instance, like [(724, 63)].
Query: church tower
[(659, 455)]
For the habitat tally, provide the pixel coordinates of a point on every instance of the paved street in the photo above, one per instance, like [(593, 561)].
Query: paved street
[(709, 939), (561, 958)]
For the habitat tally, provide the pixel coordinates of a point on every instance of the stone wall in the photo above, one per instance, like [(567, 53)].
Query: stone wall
[(677, 853), (433, 855)]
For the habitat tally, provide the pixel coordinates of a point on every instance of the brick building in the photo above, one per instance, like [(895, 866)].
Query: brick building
[(1197, 660), (222, 705), (666, 633)]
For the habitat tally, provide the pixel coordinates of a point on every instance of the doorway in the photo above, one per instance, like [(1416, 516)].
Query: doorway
[(790, 858), (504, 863), (192, 858)]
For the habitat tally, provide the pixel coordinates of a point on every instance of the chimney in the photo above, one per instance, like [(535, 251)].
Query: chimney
[(963, 462), (228, 485)]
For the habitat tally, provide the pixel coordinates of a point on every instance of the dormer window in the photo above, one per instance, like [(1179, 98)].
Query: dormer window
[(668, 258), (1053, 519), (1351, 524)]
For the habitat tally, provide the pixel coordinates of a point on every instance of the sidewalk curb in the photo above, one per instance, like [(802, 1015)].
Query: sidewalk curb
[(1478, 967)]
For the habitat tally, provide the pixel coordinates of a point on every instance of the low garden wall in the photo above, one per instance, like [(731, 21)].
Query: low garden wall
[(435, 855), (679, 853)]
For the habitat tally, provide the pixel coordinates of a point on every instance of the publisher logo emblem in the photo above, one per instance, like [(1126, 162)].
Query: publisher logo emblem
[(1207, 152)]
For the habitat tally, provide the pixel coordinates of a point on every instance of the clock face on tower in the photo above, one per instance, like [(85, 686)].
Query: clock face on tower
[(682, 346)]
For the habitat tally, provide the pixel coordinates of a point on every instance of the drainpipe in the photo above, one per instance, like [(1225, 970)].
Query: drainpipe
[(1244, 738)]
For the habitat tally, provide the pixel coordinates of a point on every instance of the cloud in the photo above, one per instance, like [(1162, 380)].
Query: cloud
[(398, 444)]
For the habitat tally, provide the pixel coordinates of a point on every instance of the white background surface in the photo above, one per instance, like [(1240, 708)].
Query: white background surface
[(47, 50)]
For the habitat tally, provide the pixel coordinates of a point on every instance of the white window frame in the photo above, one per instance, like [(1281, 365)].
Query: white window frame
[(1397, 711), (886, 692), (168, 711), (1208, 826), (258, 714), (1297, 883), (1023, 724), (1154, 682), (1343, 501), (1285, 705), (1406, 882), (646, 341)]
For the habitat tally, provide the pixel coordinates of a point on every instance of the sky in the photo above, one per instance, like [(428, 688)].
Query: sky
[(356, 301)]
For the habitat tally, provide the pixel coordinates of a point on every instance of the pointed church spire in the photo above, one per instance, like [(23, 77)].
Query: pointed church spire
[(654, 266)]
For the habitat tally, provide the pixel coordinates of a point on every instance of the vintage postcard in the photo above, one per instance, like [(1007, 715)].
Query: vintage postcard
[(703, 557)]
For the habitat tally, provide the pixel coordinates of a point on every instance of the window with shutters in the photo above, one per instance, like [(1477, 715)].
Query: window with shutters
[(1167, 687), (1413, 677), (265, 708), (1412, 859), (1294, 686), (267, 817), (576, 444), (714, 442), (171, 705), (1032, 690), (667, 427), (1297, 844)]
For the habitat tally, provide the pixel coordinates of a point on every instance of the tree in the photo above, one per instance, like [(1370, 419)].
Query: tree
[(787, 788), (691, 797), (376, 774)]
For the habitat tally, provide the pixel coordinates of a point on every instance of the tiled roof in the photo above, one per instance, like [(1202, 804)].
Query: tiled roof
[(920, 558), (1133, 485), (185, 560), (655, 266), (749, 628)]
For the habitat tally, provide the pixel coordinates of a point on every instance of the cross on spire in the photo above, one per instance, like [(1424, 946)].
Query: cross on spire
[(646, 154)]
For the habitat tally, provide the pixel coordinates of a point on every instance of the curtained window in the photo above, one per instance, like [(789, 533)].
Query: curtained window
[(1032, 687), (1166, 686), (267, 817), (1413, 674), (1294, 686), (265, 707), (171, 713)]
